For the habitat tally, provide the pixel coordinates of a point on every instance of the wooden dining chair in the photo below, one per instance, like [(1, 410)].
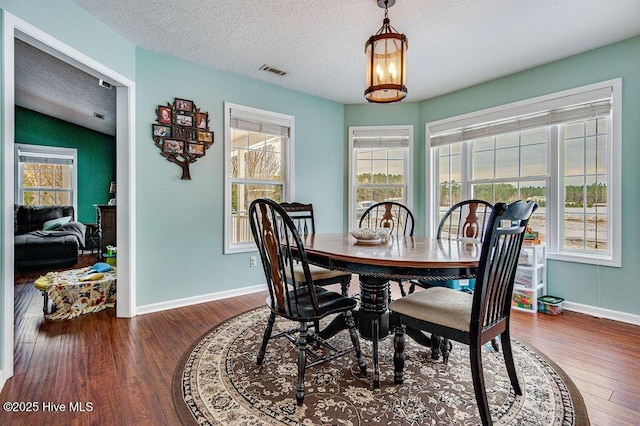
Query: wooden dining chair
[(304, 222), (393, 216), (281, 248), (467, 219), (472, 319)]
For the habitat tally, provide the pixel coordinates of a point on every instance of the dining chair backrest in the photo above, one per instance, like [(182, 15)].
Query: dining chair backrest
[(466, 219), (302, 216), (497, 267), (395, 217), (280, 247)]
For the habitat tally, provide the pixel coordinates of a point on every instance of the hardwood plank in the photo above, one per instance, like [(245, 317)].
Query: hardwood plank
[(125, 366)]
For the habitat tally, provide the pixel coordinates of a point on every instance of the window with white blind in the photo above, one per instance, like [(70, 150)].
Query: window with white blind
[(45, 175), (379, 167), (258, 153), (561, 150)]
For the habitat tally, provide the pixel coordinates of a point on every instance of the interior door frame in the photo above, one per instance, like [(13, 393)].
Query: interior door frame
[(14, 27)]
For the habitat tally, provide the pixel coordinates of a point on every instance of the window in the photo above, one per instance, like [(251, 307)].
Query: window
[(45, 176), (258, 153), (561, 150), (379, 167)]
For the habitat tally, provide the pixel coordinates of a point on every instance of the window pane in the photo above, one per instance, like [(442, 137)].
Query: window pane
[(483, 192), (482, 165), (507, 162), (574, 130), (574, 157), (506, 192), (482, 144), (574, 192), (533, 136), (508, 140), (533, 160), (396, 171), (596, 155), (573, 229)]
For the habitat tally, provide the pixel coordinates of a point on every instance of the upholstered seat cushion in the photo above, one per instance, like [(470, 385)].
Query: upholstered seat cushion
[(439, 305), (317, 273)]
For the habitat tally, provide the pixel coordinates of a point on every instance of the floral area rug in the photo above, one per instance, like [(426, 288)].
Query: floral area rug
[(219, 383)]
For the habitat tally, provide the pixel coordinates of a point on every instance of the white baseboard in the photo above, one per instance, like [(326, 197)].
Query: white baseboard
[(188, 301), (3, 380), (602, 313)]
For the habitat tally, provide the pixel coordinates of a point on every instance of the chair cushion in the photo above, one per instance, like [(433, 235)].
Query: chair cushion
[(438, 305), (317, 273)]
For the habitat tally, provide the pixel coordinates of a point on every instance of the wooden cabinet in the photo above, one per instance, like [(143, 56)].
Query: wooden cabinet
[(107, 225)]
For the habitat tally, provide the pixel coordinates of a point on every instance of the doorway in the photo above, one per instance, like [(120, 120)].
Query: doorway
[(13, 28)]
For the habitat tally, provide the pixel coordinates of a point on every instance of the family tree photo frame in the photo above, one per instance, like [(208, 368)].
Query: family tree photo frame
[(182, 133)]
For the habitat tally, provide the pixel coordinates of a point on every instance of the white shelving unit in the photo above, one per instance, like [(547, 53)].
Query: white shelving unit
[(531, 278)]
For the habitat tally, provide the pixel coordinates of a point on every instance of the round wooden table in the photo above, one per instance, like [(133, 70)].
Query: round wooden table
[(398, 258)]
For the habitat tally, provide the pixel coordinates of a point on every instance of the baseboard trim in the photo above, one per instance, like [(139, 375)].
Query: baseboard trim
[(188, 301), (3, 380), (602, 313)]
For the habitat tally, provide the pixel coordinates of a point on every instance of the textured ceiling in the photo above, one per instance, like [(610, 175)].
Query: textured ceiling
[(452, 43), (49, 86)]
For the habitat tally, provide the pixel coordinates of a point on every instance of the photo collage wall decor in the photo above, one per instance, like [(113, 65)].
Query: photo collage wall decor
[(182, 133)]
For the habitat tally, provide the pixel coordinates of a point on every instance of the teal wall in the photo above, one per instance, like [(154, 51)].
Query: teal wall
[(96, 155), (180, 223)]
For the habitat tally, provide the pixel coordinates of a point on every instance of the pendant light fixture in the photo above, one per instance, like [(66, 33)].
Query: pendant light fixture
[(386, 62)]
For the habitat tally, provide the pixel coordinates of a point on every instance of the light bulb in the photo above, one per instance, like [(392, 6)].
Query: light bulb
[(379, 72), (392, 70)]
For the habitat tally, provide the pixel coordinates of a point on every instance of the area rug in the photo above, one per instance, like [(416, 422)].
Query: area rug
[(219, 383)]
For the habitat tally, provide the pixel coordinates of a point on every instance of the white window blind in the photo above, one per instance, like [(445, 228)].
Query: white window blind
[(391, 138), (258, 123), (595, 103)]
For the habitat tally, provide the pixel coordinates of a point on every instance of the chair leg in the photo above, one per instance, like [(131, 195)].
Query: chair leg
[(505, 338), (266, 337), (475, 356), (344, 285), (302, 362), (402, 292), (445, 348), (398, 354), (356, 342)]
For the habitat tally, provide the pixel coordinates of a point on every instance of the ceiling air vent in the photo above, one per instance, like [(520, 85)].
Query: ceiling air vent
[(104, 84), (273, 70), (98, 115)]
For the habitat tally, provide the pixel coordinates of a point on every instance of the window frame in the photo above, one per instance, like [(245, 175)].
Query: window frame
[(408, 164), (267, 117), (46, 151), (555, 168)]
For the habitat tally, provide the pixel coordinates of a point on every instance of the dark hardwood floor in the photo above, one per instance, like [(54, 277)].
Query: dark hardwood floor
[(124, 367)]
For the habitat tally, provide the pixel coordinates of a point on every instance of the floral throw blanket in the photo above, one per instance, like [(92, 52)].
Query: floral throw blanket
[(72, 296)]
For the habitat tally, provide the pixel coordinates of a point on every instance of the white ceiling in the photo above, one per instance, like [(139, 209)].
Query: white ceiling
[(453, 44)]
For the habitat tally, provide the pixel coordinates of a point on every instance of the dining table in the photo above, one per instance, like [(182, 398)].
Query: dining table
[(392, 258)]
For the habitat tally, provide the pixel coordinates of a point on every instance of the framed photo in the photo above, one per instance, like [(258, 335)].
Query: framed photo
[(162, 131), (195, 148), (184, 105), (184, 120), (164, 114), (202, 120), (205, 136), (172, 146)]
